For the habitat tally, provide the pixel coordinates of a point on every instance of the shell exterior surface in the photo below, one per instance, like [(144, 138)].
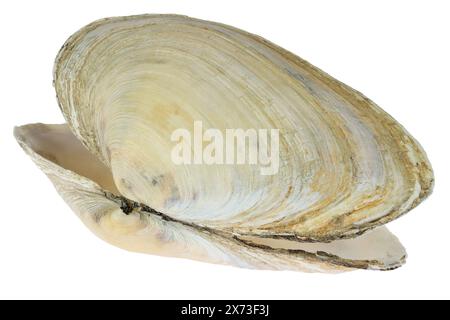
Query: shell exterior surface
[(126, 84)]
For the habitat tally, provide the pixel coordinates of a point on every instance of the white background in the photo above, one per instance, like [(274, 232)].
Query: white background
[(396, 52)]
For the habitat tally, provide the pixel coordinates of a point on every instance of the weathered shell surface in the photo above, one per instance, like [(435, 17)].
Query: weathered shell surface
[(125, 84)]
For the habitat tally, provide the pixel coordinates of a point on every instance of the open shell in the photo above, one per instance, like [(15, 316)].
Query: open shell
[(125, 84)]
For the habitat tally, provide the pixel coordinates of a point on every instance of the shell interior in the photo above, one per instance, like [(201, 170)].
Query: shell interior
[(87, 186)]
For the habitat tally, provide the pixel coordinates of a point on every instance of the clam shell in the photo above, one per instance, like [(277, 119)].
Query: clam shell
[(125, 84), (81, 181)]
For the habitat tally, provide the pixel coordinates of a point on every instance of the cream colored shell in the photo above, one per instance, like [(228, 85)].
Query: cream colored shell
[(125, 84)]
